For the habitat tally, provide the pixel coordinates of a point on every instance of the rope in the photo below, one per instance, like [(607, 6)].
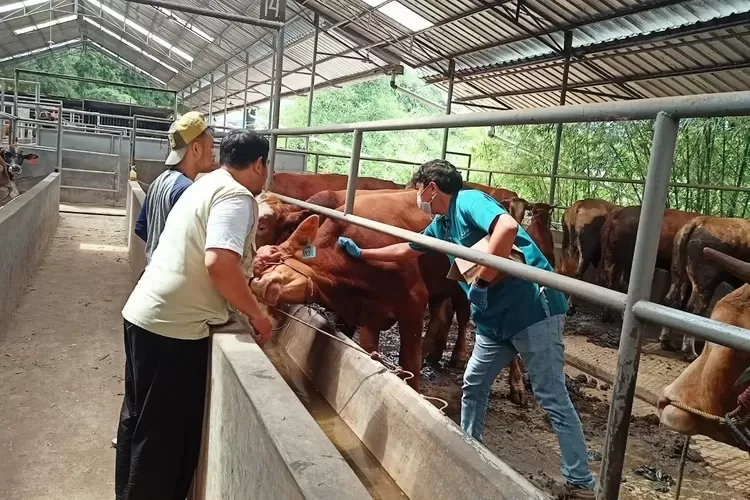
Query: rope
[(737, 427), (445, 403), (683, 459), (708, 416), (373, 355)]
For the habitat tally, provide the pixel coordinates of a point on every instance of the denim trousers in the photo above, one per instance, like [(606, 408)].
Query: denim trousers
[(542, 351)]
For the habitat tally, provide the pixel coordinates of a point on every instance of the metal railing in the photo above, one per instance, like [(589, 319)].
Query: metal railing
[(636, 305)]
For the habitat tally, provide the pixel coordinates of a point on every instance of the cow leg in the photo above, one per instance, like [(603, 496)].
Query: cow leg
[(369, 338), (410, 354), (462, 308), (517, 394), (675, 299), (688, 347), (436, 336)]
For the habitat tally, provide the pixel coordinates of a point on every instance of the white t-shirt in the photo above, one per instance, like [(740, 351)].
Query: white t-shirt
[(229, 223)]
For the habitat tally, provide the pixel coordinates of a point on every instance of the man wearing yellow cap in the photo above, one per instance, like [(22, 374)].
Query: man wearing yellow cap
[(191, 141)]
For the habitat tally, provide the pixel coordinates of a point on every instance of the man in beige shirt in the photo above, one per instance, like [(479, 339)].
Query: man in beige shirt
[(197, 272)]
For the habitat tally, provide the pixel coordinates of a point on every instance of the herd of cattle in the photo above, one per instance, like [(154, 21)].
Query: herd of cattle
[(375, 295)]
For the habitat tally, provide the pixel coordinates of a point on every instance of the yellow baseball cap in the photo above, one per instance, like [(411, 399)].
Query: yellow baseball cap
[(182, 132)]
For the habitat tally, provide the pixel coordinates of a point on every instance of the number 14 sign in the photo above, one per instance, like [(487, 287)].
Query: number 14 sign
[(273, 10)]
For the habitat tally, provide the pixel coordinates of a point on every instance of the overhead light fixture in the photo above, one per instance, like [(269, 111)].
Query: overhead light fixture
[(47, 24), (130, 44), (140, 29), (20, 5), (47, 47)]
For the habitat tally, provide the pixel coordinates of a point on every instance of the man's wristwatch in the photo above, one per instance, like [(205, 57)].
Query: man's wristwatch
[(481, 283)]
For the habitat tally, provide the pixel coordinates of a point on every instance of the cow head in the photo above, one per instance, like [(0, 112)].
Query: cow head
[(542, 212), (14, 158), (276, 220), (516, 207), (279, 275), (709, 383)]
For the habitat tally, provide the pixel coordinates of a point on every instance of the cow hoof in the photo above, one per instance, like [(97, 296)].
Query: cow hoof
[(518, 397), (571, 311), (690, 357), (667, 345), (434, 362)]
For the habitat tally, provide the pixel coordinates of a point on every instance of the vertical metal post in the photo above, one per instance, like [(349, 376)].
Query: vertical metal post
[(639, 288), (226, 93), (448, 106), (37, 98), (311, 94), (568, 44), (351, 185), (315, 167), (132, 140), (247, 83), (468, 168), (273, 85), (14, 123), (59, 137), (278, 73), (211, 99), (175, 105)]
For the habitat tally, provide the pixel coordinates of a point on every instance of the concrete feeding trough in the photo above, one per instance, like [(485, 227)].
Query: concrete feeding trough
[(398, 443)]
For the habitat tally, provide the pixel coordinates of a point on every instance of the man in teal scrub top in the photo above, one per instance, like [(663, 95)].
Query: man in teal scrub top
[(512, 317)]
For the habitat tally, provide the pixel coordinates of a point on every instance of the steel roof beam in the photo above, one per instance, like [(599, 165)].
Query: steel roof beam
[(657, 4), (599, 83), (227, 16), (581, 52)]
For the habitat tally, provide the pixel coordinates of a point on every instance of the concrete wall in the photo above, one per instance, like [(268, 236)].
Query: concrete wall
[(136, 246), (424, 451), (262, 443), (27, 225)]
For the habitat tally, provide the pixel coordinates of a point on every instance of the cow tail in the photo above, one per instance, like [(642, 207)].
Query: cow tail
[(678, 269)]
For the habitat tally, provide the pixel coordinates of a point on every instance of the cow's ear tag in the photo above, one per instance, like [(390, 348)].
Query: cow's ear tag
[(309, 251)]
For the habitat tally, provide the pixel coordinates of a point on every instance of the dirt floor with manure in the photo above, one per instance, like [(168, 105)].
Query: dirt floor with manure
[(523, 437)]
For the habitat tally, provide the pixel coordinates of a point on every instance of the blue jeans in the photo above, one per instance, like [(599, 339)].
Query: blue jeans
[(542, 350)]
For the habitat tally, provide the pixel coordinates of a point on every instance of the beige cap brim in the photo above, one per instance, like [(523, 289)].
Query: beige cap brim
[(176, 156)]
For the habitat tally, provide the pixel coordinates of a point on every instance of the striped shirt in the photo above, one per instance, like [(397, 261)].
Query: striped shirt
[(163, 193)]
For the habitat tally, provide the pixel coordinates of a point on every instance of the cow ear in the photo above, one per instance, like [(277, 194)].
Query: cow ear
[(30, 156), (303, 235)]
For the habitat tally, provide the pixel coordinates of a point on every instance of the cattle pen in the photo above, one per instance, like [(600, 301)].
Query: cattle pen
[(311, 415)]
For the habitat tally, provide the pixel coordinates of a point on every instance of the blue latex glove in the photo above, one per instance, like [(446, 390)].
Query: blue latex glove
[(478, 296), (350, 247)]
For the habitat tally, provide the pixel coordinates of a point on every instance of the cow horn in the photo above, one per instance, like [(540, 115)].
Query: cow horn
[(736, 267)]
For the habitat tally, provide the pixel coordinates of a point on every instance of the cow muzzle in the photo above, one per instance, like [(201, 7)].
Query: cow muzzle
[(15, 169), (267, 289)]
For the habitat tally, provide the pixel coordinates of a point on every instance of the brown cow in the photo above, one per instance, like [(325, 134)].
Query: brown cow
[(303, 186), (709, 384), (539, 230), (618, 243), (372, 295), (277, 219), (693, 275), (516, 207), (499, 194), (581, 242)]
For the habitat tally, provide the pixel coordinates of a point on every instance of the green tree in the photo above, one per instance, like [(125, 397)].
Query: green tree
[(90, 64)]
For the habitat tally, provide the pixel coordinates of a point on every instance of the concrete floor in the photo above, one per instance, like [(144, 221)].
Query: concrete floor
[(61, 366)]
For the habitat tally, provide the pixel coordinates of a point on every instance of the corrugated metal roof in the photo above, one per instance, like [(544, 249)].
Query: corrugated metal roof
[(508, 53)]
